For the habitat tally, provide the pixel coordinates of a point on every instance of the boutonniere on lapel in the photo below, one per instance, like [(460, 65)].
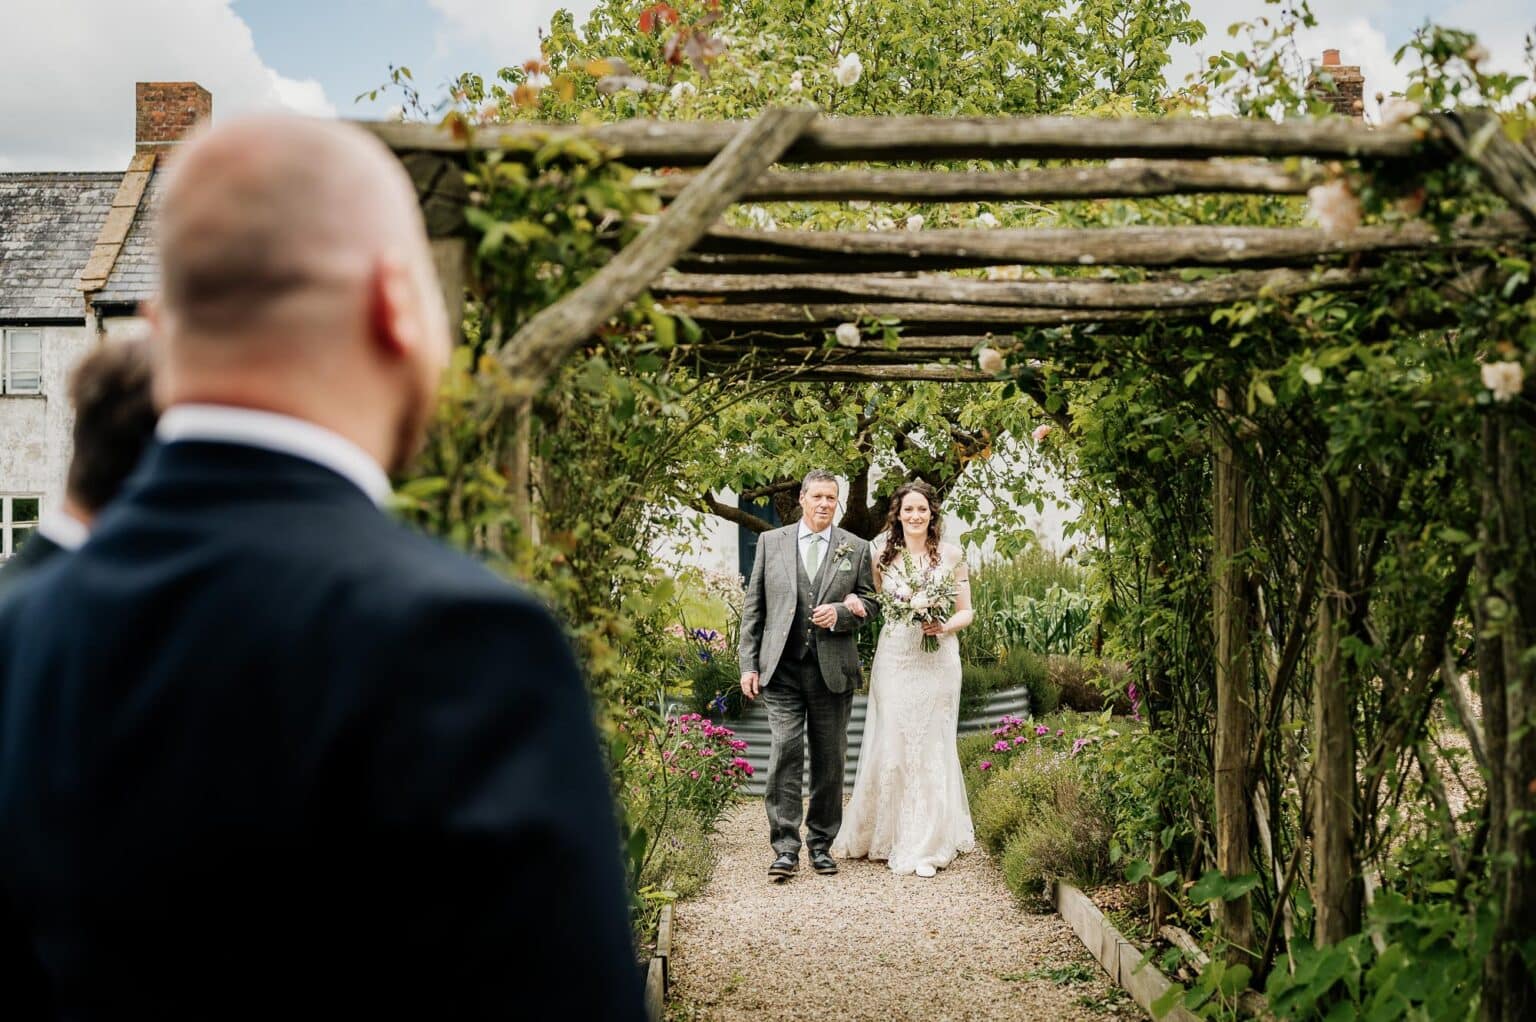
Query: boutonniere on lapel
[(843, 550)]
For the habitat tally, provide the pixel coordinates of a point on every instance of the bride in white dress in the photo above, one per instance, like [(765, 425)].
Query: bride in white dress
[(909, 806)]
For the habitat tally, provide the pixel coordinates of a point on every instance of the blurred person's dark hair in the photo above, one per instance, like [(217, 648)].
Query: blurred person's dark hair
[(114, 421)]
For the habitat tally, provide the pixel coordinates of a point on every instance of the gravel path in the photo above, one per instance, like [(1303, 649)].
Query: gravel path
[(867, 944)]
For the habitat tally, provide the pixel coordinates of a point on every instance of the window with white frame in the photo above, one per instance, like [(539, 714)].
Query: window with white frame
[(21, 361), (18, 520)]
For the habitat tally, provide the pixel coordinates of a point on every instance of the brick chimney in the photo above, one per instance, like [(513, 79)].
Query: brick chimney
[(164, 112), (1346, 92)]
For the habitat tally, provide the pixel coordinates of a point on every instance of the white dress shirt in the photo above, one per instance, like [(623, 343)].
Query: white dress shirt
[(275, 432), (64, 529), (824, 541)]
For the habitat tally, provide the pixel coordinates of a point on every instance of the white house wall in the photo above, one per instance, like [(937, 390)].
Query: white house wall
[(35, 429)]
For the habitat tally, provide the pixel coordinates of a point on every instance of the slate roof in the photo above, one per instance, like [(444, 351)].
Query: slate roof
[(136, 272), (48, 224)]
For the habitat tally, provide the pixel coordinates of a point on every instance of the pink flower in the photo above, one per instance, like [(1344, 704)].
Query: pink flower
[(1020, 740), (1000, 747), (985, 764), (694, 774), (1042, 431), (1061, 732), (1041, 729)]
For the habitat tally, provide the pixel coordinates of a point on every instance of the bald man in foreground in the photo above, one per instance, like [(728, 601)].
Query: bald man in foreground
[(263, 753)]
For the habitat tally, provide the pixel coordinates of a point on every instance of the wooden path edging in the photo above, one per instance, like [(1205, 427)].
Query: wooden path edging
[(658, 972), (1118, 956)]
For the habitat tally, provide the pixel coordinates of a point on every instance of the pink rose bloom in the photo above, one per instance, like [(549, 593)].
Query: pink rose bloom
[(1042, 431)]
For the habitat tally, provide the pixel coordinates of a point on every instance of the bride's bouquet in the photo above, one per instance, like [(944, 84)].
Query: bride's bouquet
[(914, 596)]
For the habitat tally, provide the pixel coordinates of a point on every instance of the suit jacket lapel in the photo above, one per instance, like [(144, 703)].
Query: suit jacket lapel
[(792, 558), (825, 572)]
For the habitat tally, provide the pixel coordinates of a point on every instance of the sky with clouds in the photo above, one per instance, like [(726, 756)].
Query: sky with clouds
[(67, 67)]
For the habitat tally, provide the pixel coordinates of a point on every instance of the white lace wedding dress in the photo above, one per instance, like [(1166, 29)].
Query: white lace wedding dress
[(909, 806)]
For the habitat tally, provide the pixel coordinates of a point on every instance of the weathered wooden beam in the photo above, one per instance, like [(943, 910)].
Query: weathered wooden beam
[(914, 316), (1133, 179), (846, 139), (1242, 285), (895, 373), (1508, 167), (535, 350), (845, 251)]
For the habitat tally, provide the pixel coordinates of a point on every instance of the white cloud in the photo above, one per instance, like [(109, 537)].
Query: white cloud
[(510, 31), (67, 69)]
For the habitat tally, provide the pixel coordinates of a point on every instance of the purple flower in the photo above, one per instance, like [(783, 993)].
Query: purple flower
[(1042, 730), (985, 764), (1061, 732), (1000, 747)]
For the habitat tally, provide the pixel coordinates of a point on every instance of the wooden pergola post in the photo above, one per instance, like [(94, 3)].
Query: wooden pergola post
[(1230, 614)]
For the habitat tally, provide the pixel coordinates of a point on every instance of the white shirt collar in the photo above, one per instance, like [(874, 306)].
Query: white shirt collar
[(275, 432), (806, 530), (64, 529)]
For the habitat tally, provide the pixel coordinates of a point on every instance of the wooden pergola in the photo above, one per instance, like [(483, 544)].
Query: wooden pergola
[(773, 296)]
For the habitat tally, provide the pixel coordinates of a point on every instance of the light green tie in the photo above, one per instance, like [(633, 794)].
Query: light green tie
[(813, 556)]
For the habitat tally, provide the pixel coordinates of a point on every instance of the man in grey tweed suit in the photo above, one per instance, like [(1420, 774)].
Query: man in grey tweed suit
[(798, 653)]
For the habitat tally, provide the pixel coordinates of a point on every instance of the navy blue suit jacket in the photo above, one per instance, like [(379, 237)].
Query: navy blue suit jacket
[(265, 753)]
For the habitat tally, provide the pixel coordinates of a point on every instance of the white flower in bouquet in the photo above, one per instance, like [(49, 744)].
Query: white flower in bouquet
[(848, 70), (921, 601), (904, 593)]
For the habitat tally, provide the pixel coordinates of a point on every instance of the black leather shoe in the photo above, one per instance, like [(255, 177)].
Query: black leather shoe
[(784, 867), (823, 863)]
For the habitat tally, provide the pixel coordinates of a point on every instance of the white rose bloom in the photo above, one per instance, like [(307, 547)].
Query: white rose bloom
[(684, 91), (1334, 207), (921, 602), (797, 81), (987, 220), (884, 223), (761, 219), (1398, 110), (1505, 379), (903, 593), (915, 222), (1475, 54), (848, 335), (990, 360), (848, 70)]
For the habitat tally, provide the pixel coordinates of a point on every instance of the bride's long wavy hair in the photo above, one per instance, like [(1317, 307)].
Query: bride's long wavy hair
[(895, 537)]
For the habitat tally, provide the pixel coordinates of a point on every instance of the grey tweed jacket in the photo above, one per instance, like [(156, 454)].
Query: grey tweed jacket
[(769, 607)]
